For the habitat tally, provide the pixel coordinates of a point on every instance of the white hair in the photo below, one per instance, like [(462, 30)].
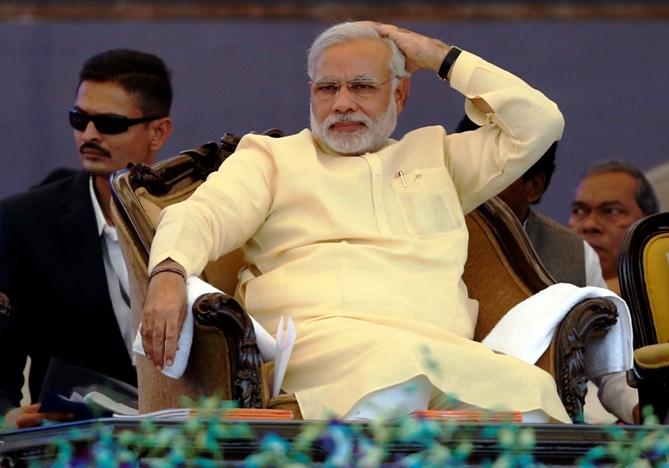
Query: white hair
[(347, 32)]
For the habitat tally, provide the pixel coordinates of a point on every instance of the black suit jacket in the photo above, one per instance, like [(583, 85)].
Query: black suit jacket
[(52, 270)]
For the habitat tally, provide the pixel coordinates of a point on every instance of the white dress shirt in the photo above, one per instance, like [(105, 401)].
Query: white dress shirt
[(593, 269), (115, 269)]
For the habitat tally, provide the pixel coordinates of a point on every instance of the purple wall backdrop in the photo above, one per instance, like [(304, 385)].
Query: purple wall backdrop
[(609, 78)]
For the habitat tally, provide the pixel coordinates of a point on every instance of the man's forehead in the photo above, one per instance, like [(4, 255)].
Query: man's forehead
[(104, 97), (607, 188), (359, 57)]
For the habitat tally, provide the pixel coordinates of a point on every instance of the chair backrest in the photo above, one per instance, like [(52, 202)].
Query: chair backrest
[(502, 268), (643, 269)]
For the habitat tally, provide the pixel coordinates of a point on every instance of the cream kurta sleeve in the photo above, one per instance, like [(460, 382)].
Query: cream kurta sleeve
[(524, 123), (221, 214)]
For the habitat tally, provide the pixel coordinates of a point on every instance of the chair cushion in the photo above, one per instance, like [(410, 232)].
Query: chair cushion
[(656, 277), (652, 356)]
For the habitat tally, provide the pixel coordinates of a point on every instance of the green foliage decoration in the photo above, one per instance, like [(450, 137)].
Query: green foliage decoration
[(201, 441)]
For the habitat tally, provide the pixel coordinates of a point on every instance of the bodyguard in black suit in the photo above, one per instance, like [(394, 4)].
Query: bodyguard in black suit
[(58, 287), (55, 249)]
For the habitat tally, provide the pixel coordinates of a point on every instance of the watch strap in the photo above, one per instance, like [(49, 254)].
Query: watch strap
[(448, 62)]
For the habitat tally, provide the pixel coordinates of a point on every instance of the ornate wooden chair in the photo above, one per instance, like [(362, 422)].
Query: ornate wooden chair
[(501, 271), (643, 269)]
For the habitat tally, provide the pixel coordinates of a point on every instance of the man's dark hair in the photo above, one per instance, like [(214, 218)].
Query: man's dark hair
[(140, 74), (645, 195), (545, 165)]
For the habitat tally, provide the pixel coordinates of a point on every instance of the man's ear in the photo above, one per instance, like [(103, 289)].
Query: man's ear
[(536, 186), (402, 93), (161, 130)]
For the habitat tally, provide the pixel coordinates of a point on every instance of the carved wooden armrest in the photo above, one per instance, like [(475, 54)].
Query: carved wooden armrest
[(218, 310), (588, 319)]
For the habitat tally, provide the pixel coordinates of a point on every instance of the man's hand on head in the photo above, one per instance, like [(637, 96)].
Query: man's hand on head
[(164, 313), (421, 52)]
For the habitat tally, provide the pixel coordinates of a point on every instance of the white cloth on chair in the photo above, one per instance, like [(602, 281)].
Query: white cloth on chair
[(195, 288), (526, 330)]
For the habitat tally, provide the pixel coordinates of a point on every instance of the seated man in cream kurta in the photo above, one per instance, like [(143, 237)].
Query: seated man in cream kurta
[(361, 238)]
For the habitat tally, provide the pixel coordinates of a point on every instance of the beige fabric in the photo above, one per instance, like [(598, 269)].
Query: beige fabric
[(325, 233)]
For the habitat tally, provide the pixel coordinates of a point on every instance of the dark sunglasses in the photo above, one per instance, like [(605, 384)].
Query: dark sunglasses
[(105, 123)]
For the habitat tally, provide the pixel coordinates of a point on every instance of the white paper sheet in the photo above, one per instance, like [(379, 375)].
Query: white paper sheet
[(285, 340)]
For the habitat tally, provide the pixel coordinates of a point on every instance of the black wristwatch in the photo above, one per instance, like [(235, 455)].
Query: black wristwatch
[(448, 62)]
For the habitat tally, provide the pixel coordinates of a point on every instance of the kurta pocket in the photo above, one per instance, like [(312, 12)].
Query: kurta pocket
[(428, 201)]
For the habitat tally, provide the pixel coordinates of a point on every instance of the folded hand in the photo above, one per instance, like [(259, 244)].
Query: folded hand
[(163, 316)]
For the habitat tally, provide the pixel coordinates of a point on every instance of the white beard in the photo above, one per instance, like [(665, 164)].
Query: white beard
[(371, 137)]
